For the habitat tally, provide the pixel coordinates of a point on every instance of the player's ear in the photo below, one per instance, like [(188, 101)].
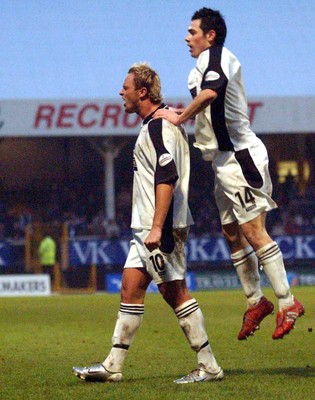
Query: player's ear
[(143, 92), (211, 35)]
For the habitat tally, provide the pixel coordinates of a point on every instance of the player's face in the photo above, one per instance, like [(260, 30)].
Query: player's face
[(197, 40), (130, 95)]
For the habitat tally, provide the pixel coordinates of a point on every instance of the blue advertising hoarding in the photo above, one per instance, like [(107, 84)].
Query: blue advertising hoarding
[(114, 252), (113, 283), (207, 249), (5, 254)]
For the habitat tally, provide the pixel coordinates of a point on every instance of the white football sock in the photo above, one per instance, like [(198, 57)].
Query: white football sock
[(271, 260), (192, 323), (246, 265), (128, 321)]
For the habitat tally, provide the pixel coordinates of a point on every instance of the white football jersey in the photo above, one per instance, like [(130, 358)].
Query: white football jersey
[(224, 125), (161, 155)]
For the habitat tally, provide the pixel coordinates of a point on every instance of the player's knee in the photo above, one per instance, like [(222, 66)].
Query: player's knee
[(258, 239), (233, 236), (232, 240), (174, 293), (132, 297), (169, 294)]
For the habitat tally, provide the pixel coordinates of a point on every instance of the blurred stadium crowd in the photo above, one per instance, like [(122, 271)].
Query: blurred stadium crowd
[(82, 208)]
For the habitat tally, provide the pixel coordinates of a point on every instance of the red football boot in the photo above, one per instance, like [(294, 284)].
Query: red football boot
[(253, 317), (286, 319)]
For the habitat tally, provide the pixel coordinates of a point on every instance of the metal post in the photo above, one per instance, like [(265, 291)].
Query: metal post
[(109, 184)]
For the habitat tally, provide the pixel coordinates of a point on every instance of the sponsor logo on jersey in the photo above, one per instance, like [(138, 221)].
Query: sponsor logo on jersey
[(250, 208), (165, 159), (212, 76)]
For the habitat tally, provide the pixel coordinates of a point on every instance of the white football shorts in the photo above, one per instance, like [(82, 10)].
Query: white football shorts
[(243, 185), (161, 266)]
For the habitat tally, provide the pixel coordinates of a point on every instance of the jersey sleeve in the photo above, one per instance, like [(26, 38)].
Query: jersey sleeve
[(193, 82), (166, 171), (209, 66)]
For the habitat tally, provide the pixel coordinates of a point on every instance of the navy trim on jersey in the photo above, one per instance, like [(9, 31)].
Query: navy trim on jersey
[(160, 147), (168, 172), (163, 174), (218, 106), (193, 92), (167, 239), (249, 169), (149, 117)]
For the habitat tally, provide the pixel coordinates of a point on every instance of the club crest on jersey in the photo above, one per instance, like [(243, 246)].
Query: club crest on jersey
[(165, 159), (212, 76)]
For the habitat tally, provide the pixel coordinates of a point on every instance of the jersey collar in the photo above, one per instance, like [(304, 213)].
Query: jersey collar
[(149, 117)]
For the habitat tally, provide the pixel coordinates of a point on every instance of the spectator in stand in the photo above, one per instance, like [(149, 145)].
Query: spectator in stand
[(289, 187), (47, 251)]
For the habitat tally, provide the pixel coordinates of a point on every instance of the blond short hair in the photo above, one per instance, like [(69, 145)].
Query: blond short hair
[(145, 76)]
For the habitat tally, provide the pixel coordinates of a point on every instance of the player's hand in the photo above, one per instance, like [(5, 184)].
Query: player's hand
[(169, 115), (176, 110), (153, 240)]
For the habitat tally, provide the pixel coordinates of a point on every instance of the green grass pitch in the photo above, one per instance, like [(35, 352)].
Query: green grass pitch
[(42, 338)]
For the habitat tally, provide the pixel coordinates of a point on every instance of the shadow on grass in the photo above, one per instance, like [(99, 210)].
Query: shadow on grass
[(306, 372)]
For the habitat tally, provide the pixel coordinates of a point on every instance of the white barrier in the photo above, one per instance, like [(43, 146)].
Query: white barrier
[(25, 285)]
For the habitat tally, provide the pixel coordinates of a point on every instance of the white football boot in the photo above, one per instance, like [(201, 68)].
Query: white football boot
[(97, 373), (201, 375)]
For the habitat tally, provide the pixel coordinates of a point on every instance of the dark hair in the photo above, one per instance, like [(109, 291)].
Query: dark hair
[(212, 19)]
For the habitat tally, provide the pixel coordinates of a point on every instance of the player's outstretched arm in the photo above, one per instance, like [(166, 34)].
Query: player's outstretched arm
[(170, 115), (199, 103)]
